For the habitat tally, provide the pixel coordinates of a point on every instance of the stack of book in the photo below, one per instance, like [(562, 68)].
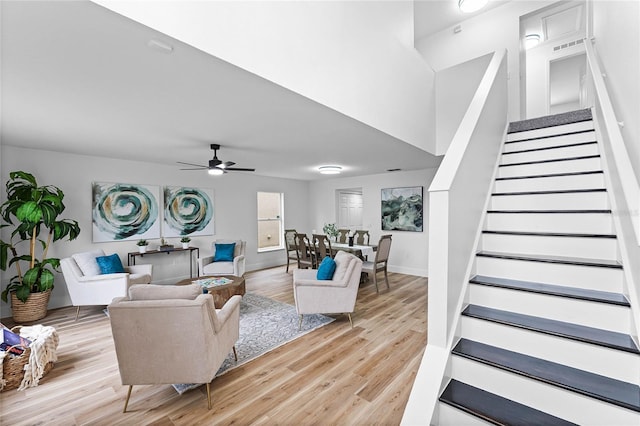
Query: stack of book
[(213, 282)]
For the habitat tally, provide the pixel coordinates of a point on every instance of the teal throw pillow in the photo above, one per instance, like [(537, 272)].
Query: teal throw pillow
[(326, 269), (110, 264), (224, 252)]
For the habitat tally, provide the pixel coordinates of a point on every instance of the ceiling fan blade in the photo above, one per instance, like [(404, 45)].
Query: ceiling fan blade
[(191, 164), (236, 169), (199, 168), (227, 164)]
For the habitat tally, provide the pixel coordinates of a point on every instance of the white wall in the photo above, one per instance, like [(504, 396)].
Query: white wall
[(455, 87), (356, 57), (409, 250), (616, 27), (488, 32), (234, 207)]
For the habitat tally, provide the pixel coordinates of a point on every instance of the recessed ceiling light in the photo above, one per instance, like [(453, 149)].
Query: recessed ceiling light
[(531, 40), (469, 6), (330, 170)]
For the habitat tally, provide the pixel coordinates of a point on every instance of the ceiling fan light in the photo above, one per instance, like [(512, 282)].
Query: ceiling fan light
[(215, 171), (330, 170), (470, 6)]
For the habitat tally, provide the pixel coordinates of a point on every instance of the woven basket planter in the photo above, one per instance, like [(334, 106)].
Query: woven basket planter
[(33, 309)]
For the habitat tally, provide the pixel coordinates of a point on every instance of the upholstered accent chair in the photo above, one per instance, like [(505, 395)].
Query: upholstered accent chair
[(335, 296), (290, 245), (380, 262), (87, 286), (216, 264), (172, 334)]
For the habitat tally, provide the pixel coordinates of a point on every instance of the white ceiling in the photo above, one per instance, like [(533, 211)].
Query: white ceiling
[(78, 78)]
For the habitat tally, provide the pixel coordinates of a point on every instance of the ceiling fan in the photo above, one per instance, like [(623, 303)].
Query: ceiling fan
[(216, 167)]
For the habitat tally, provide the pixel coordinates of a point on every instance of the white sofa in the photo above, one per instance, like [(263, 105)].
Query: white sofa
[(335, 296), (99, 289), (206, 265)]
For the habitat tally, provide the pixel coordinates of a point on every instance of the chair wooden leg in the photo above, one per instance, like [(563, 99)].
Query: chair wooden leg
[(375, 280), (126, 401), (300, 322), (287, 263), (350, 320), (386, 278), (209, 396), (235, 353), (77, 312)]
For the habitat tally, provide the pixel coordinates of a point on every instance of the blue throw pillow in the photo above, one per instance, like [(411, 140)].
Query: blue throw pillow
[(110, 264), (326, 269), (224, 252)]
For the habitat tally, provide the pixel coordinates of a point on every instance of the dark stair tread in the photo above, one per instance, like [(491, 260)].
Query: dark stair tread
[(582, 333), (546, 148), (585, 211), (551, 191), (551, 160), (602, 263), (548, 175), (493, 408), (554, 120), (555, 135), (604, 388), (550, 234), (554, 290)]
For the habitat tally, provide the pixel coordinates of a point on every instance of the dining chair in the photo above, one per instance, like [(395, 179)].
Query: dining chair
[(322, 246), (304, 254), (290, 245), (380, 262), (343, 235), (362, 237)]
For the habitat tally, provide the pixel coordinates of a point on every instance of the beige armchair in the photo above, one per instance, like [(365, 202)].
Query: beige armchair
[(88, 287), (335, 296), (207, 266), (172, 334)]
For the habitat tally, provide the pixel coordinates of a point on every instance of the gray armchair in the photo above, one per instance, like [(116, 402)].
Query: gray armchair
[(172, 334)]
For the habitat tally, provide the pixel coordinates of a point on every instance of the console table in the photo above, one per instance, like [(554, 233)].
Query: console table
[(131, 258)]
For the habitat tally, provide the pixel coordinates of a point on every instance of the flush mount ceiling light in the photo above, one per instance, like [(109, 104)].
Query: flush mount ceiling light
[(469, 6), (531, 40), (330, 170)]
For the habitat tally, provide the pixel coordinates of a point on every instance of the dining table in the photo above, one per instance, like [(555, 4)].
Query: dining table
[(360, 250)]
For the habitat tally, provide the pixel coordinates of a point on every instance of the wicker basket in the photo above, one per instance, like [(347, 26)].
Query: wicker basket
[(33, 309), (13, 367)]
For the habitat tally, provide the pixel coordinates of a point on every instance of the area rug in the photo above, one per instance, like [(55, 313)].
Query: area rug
[(265, 324)]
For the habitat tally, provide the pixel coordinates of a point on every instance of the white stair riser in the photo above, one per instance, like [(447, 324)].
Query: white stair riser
[(552, 141), (584, 223), (589, 277), (452, 416), (596, 248), (549, 154), (590, 181), (591, 314), (596, 359), (548, 398), (548, 131), (582, 165), (562, 201)]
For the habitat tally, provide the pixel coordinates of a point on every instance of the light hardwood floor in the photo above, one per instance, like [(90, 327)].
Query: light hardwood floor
[(335, 375)]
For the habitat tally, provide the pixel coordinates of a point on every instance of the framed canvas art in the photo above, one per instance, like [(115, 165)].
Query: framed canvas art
[(187, 211), (124, 211), (402, 209)]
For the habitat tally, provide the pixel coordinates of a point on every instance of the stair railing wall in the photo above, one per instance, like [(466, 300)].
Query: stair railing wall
[(457, 202), (625, 192)]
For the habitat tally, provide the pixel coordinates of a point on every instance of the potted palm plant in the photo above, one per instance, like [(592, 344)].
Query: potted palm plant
[(34, 213)]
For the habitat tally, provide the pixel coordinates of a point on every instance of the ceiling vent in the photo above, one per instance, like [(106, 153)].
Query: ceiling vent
[(570, 44)]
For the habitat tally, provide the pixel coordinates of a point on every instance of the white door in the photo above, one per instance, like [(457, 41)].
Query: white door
[(350, 209)]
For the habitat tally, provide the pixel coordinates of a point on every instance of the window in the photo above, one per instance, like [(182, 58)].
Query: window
[(270, 224)]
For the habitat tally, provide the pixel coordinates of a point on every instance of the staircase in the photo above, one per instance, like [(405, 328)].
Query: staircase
[(545, 334)]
